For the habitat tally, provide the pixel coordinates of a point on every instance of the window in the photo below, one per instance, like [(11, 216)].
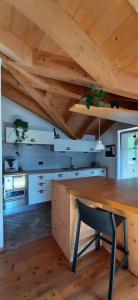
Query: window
[(127, 154)]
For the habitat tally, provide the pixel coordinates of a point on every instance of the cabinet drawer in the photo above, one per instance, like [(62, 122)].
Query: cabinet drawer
[(38, 196), (42, 178), (67, 145)]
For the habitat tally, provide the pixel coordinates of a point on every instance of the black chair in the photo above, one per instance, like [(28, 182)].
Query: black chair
[(103, 222)]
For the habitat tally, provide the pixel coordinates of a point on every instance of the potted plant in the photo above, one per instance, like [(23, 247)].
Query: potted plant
[(95, 97), (20, 128)]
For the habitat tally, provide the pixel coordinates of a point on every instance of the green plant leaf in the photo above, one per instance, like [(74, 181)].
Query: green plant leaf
[(88, 101)]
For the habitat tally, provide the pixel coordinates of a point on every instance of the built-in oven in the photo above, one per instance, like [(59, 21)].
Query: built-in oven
[(15, 192)]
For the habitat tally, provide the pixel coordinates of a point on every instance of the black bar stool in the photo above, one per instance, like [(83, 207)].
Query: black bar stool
[(103, 222)]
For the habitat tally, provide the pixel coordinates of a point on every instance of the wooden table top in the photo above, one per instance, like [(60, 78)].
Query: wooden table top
[(118, 194)]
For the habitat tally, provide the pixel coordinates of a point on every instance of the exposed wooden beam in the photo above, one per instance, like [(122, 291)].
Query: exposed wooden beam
[(134, 3), (43, 99), (54, 21), (52, 86), (105, 126), (86, 127), (14, 48), (59, 67), (25, 101)]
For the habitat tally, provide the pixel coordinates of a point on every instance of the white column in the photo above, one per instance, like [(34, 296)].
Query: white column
[(1, 197)]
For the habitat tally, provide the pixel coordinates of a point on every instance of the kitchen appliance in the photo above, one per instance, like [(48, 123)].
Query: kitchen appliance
[(10, 164), (15, 193)]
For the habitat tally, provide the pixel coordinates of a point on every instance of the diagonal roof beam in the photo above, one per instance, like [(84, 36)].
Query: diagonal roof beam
[(52, 86), (43, 99), (54, 21), (14, 48)]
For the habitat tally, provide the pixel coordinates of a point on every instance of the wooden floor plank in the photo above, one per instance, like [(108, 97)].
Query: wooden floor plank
[(40, 271)]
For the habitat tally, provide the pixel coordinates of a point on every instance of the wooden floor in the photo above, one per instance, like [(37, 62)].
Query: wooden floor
[(39, 271)]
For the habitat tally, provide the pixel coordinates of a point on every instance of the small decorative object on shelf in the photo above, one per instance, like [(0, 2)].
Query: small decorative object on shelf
[(56, 135), (114, 104)]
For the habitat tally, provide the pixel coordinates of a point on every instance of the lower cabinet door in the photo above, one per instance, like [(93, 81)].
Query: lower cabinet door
[(38, 196)]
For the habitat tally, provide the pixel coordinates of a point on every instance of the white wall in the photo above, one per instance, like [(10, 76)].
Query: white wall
[(31, 155), (1, 200), (108, 138)]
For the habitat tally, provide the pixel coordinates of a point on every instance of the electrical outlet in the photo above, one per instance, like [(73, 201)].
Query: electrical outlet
[(40, 163)]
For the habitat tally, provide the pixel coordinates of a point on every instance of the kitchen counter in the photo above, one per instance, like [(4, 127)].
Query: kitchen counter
[(48, 171), (119, 196)]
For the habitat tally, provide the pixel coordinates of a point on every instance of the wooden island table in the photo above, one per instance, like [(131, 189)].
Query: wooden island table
[(119, 196)]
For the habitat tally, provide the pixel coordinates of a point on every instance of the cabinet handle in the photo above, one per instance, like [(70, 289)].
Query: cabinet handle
[(41, 183), (68, 148), (41, 191), (60, 175), (32, 140)]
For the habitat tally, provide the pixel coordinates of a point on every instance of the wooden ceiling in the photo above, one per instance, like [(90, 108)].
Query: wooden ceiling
[(53, 50)]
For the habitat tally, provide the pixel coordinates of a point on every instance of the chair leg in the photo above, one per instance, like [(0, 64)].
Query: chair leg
[(98, 241), (112, 269), (125, 243), (74, 262)]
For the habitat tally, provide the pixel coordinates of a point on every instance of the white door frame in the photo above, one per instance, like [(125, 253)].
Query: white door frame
[(1, 188), (119, 148)]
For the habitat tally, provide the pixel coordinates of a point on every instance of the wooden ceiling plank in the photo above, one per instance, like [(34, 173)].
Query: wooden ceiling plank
[(111, 18), (14, 48), (18, 24), (5, 14), (71, 6), (43, 99), (33, 35), (53, 20), (48, 45), (25, 101), (123, 36)]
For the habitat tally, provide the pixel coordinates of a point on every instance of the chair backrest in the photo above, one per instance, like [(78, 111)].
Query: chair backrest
[(97, 218)]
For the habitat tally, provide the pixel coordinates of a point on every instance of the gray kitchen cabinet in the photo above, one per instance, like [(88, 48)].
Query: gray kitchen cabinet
[(40, 185), (39, 188)]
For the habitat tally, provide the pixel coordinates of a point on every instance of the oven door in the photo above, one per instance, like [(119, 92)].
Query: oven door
[(11, 195), (19, 182)]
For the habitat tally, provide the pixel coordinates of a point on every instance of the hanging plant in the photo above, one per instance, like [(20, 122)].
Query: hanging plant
[(20, 127), (95, 97)]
